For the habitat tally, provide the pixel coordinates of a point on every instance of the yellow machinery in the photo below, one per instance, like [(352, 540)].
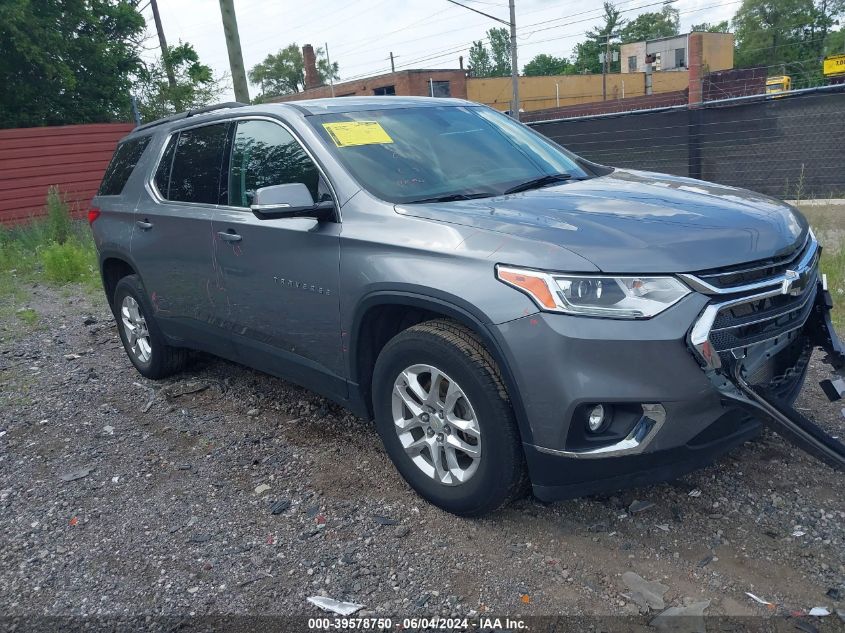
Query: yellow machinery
[(834, 66), (778, 84)]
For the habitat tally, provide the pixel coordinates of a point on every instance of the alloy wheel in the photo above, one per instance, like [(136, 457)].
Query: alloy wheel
[(436, 424), (135, 328)]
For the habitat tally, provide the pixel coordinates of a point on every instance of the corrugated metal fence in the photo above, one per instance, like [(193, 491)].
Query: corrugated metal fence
[(72, 157)]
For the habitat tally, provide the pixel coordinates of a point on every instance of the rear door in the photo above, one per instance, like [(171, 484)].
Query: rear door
[(173, 240), (113, 229), (281, 276)]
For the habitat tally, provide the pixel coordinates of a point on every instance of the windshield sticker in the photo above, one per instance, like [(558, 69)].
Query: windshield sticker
[(349, 133)]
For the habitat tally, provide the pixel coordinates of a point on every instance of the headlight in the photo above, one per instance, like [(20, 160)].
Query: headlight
[(633, 297)]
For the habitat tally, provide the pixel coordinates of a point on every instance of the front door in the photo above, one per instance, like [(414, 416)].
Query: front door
[(281, 276)]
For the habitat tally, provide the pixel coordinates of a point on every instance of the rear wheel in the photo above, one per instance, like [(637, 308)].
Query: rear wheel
[(142, 339), (445, 418)]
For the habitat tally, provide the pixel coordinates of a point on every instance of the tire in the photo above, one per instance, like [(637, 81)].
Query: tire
[(473, 486), (156, 359)]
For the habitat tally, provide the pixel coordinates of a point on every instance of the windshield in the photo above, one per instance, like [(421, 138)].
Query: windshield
[(453, 152)]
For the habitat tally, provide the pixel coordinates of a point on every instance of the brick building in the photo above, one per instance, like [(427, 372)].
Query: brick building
[(404, 83)]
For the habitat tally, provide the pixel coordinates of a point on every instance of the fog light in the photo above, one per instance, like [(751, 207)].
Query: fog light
[(596, 418)]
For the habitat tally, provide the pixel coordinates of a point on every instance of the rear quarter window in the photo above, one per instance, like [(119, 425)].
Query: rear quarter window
[(125, 158)]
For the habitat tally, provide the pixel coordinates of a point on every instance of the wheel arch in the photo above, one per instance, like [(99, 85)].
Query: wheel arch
[(114, 266), (366, 340)]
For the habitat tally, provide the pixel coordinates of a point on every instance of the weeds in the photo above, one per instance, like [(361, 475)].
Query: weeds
[(67, 263), (59, 223), (55, 248), (829, 226), (28, 316), (799, 186)]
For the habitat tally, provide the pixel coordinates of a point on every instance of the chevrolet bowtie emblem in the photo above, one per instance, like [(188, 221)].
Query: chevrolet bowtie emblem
[(792, 284)]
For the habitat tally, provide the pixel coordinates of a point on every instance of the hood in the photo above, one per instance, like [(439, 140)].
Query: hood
[(637, 222)]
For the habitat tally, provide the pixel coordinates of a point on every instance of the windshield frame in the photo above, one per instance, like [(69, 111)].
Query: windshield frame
[(493, 116)]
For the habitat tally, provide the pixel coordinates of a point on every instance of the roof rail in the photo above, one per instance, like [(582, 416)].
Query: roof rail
[(190, 113)]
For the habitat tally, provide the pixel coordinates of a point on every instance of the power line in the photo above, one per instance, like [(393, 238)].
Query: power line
[(441, 33), (361, 44), (452, 50), (492, 17)]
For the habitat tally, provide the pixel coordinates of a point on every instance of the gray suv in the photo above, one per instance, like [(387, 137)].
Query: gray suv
[(505, 310)]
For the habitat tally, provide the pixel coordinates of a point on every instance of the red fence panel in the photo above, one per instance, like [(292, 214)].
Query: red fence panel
[(72, 157)]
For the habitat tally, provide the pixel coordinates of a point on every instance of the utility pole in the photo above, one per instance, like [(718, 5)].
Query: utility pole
[(605, 66), (331, 70), (162, 42), (514, 67), (392, 67), (233, 45)]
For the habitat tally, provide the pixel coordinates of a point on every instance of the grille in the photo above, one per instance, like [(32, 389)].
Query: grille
[(757, 320), (729, 277)]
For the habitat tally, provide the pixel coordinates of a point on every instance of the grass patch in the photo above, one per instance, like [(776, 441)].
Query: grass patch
[(67, 263), (54, 249), (828, 222), (28, 316)]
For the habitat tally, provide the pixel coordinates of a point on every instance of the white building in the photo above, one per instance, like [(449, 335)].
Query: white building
[(672, 53)]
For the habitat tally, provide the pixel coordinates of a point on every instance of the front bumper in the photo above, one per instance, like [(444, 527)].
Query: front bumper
[(711, 399), (561, 363)]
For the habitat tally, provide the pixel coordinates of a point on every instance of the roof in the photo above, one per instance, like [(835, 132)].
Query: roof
[(357, 104), (677, 37), (305, 107)]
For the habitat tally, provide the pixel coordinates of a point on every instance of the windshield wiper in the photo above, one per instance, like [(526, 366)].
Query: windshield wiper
[(536, 183), (452, 197)]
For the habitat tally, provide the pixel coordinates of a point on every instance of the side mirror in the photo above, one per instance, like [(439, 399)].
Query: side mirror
[(292, 200)]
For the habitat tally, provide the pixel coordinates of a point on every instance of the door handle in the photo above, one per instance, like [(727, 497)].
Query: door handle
[(229, 236), (144, 224)]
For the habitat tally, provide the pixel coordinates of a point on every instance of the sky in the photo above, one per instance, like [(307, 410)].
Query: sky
[(360, 34)]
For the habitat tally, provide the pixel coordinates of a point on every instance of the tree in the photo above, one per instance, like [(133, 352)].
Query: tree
[(711, 27), (770, 31), (195, 86), (785, 35), (284, 72), (826, 14), (492, 62), (65, 62), (500, 48), (652, 25), (544, 64), (587, 52), (479, 60), (835, 43)]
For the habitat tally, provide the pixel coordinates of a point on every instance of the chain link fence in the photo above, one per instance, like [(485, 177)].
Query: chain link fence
[(788, 146)]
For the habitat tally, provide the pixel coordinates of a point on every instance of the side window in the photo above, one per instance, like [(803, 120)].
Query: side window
[(195, 171), (265, 154), (162, 177), (126, 156)]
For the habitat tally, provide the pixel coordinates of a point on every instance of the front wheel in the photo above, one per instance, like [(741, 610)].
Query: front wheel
[(445, 418)]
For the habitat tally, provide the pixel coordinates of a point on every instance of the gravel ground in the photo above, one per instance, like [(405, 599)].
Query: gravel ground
[(223, 490)]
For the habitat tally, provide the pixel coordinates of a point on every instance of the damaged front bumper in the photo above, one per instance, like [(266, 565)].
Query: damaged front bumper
[(777, 328)]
